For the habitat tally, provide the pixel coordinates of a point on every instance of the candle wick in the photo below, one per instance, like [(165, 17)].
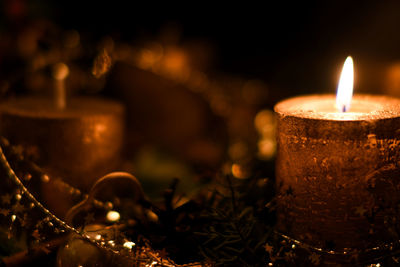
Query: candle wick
[(60, 73), (344, 109)]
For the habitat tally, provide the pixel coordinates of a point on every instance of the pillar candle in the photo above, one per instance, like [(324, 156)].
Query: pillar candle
[(338, 173), (338, 168), (77, 143)]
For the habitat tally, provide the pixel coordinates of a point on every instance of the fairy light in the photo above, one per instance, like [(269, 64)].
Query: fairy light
[(113, 216), (50, 218), (60, 183), (129, 244)]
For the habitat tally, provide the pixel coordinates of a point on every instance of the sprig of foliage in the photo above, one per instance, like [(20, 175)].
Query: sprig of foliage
[(236, 233)]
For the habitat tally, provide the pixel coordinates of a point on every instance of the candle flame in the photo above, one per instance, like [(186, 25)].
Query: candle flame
[(345, 87)]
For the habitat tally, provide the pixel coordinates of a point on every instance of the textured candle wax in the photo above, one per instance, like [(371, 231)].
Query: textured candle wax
[(338, 174)]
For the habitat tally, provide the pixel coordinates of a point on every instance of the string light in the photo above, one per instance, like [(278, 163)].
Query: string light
[(50, 219), (112, 247)]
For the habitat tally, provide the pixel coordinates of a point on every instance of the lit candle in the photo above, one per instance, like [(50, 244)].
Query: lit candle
[(338, 174), (78, 141)]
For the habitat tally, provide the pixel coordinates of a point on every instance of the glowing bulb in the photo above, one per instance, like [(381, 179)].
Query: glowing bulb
[(129, 244), (345, 87), (113, 216)]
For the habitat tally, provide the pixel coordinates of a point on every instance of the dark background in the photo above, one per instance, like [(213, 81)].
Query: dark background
[(297, 46), (291, 47)]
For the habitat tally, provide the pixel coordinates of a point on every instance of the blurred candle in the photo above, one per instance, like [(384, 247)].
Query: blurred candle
[(338, 175), (78, 141)]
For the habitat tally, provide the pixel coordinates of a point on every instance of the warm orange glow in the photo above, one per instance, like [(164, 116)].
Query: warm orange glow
[(238, 171), (345, 87), (129, 244), (113, 216)]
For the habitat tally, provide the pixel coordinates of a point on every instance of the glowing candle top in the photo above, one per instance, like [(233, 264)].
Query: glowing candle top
[(329, 107)]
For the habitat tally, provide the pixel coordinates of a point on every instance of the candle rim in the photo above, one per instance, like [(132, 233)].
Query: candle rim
[(34, 106), (389, 107)]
